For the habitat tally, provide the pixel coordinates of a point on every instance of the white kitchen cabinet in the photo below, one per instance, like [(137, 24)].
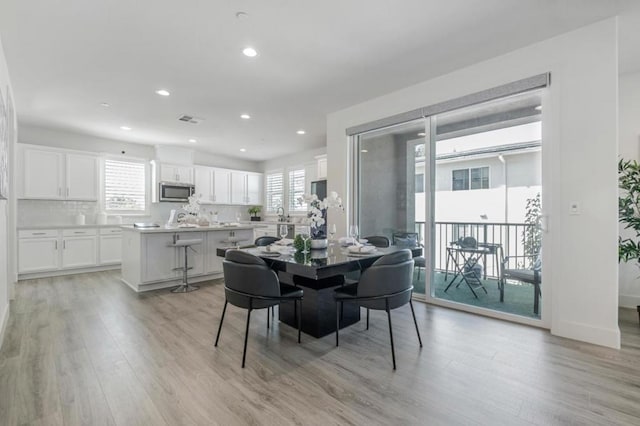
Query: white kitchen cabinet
[(79, 248), (221, 186), (174, 173), (321, 172), (43, 176), (254, 188), (58, 175), (238, 188), (110, 246), (38, 254), (204, 184), (195, 257), (159, 259), (246, 188), (81, 177)]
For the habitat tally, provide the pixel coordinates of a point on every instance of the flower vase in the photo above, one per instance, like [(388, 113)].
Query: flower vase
[(319, 244)]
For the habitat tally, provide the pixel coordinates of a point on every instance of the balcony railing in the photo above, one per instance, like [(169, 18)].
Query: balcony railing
[(507, 236)]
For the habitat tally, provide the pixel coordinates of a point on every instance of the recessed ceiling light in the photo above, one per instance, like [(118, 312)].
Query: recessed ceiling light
[(193, 140), (363, 150), (301, 132), (539, 108), (245, 116), (163, 92), (243, 150), (422, 134), (105, 104), (127, 128), (249, 51)]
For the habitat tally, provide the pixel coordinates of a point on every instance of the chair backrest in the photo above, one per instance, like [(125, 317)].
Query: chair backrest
[(248, 274), (265, 240), (378, 241), (405, 239), (390, 274)]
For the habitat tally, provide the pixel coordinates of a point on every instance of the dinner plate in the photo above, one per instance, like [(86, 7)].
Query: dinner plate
[(361, 254), (269, 253)]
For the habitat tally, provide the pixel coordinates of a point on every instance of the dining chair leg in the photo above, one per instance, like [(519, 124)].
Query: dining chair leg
[(246, 334), (367, 318), (268, 309), (393, 352), (299, 319), (337, 319), (224, 310), (273, 311), (419, 273), (415, 322)]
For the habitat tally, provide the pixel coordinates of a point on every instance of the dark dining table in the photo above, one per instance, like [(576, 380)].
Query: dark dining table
[(319, 273)]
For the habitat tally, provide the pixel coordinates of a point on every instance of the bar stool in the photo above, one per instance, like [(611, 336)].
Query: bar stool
[(186, 245)]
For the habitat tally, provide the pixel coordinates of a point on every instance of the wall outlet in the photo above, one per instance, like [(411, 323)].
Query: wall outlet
[(574, 208)]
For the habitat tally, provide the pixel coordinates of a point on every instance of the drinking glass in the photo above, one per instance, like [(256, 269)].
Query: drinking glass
[(332, 231), (284, 230), (305, 239), (238, 217), (353, 233)]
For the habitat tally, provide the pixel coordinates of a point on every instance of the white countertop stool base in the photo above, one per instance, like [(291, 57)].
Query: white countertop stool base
[(185, 287)]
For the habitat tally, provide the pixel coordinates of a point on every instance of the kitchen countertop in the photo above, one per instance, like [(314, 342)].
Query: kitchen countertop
[(111, 225), (195, 229)]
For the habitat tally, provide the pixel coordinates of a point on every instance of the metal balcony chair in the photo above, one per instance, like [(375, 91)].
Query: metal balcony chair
[(250, 284), (532, 275), (386, 285)]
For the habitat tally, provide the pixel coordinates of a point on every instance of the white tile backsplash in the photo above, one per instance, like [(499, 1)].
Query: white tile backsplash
[(50, 212)]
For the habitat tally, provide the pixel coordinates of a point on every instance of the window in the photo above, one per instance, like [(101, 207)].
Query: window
[(275, 191), (419, 183), (125, 186), (474, 178), (296, 190)]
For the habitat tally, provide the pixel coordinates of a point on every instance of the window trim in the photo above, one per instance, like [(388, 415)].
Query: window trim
[(147, 187), (266, 190)]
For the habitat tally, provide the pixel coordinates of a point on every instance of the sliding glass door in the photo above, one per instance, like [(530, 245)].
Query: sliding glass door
[(391, 190), (487, 205)]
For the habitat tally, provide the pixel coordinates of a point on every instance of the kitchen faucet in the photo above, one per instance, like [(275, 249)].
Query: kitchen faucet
[(281, 217)]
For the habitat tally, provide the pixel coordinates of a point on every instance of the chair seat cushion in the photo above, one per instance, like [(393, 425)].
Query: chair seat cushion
[(420, 262), (347, 291), (287, 290), (524, 275)]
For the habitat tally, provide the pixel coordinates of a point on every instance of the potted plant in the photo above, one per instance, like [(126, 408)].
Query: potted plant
[(254, 211), (629, 211)]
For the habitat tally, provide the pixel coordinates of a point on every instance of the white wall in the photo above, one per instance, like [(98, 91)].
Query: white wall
[(629, 128), (7, 215), (580, 292)]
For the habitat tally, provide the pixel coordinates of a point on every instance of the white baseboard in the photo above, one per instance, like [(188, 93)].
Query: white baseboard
[(609, 337), (628, 301), (61, 272), (4, 320)]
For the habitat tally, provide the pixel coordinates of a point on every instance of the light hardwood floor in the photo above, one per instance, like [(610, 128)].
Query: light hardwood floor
[(85, 349)]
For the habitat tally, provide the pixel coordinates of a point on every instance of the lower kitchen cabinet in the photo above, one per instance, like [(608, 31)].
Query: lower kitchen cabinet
[(38, 254), (110, 249), (159, 259)]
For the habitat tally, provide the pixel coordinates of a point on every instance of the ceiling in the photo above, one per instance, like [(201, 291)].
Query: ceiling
[(67, 57)]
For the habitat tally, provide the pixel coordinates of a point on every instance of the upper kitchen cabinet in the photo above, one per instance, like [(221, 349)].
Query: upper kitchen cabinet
[(213, 186), (221, 186), (246, 188), (321, 172), (173, 173), (57, 175)]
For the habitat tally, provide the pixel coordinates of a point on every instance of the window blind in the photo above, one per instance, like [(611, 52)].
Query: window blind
[(296, 190), (275, 191), (124, 186)]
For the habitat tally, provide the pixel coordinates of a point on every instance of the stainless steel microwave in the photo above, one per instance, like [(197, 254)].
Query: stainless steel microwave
[(176, 192)]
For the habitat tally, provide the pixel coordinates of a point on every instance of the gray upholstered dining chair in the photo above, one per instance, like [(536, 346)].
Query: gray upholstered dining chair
[(378, 240), (410, 240), (250, 284), (531, 275), (265, 240), (386, 285)]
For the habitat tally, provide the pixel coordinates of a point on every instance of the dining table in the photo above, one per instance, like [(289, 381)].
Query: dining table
[(319, 273)]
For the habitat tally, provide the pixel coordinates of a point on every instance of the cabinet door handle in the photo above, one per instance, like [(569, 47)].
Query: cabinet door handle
[(64, 244), (38, 233), (67, 192), (56, 245), (78, 232)]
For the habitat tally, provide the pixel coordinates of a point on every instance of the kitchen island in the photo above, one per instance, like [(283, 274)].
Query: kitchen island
[(149, 260)]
